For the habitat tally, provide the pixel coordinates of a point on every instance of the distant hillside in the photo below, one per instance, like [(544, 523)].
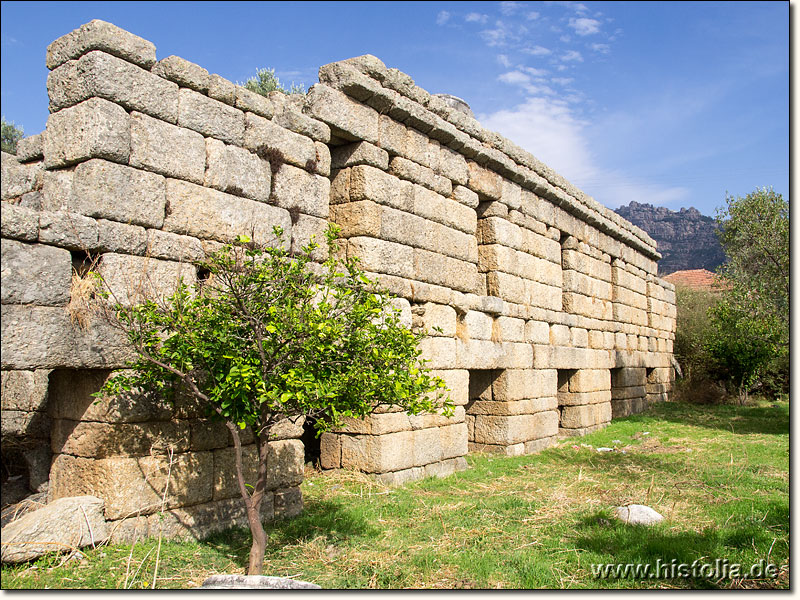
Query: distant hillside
[(686, 239)]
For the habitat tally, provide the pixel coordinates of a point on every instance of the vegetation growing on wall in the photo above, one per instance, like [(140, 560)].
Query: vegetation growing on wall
[(11, 134), (265, 81)]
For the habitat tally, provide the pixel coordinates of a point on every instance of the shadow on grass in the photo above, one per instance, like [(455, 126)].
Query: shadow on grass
[(333, 521), (764, 419)]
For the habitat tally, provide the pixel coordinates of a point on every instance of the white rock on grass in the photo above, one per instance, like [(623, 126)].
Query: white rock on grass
[(637, 514)]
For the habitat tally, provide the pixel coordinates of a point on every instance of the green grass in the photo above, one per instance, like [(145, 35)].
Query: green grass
[(719, 474)]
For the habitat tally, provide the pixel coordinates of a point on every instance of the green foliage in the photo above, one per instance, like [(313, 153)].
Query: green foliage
[(265, 81), (692, 334), (754, 231), (265, 338), (10, 134)]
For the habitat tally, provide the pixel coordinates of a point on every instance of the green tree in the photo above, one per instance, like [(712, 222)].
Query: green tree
[(265, 81), (10, 134), (269, 337)]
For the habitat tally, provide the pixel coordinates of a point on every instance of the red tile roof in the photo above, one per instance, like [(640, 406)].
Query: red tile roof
[(697, 279)]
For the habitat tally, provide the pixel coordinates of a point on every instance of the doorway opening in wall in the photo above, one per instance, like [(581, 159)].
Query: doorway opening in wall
[(480, 390), (311, 442), (650, 384), (564, 375)]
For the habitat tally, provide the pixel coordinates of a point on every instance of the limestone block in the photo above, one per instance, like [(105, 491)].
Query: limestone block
[(369, 183), (520, 384), (359, 153), (484, 182), (624, 407), (626, 314), (131, 279), (440, 352), (402, 476), (514, 429), (18, 179), (210, 117), (121, 238), (574, 417), (457, 382), (582, 398), (104, 440), (572, 259), (290, 117), (509, 329), (496, 230), (71, 398), (94, 128), (382, 256), (475, 325), (587, 306), (221, 89), (18, 222), (278, 145), (330, 451), (537, 332), (579, 337), (299, 191), (433, 206), (623, 278), (446, 271), (377, 424), (236, 171), (411, 171), (559, 357), (207, 434), (23, 424), (438, 316), (167, 149), (465, 196), (347, 118), (379, 454), (485, 354), (97, 74), (284, 467), (452, 165), (348, 79), (131, 486), (252, 102), (542, 246), (100, 35), (511, 195), (24, 390), (116, 192), (35, 274), (623, 393), (68, 230), (630, 298), (574, 281), (186, 74), (171, 246), (63, 525), (580, 431), (514, 407), (453, 440), (210, 214), (355, 219)]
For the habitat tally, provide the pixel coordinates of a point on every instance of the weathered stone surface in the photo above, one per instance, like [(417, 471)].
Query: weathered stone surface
[(382, 257), (209, 214), (35, 274), (62, 525), (347, 118), (24, 390), (171, 246), (514, 429), (284, 469), (237, 171), (359, 153), (100, 35), (574, 417), (121, 238), (637, 514), (94, 128), (30, 148), (250, 101), (23, 424), (18, 222), (519, 384), (221, 89), (210, 117), (306, 229), (132, 279), (590, 380), (433, 317), (167, 149), (300, 191), (116, 192), (278, 145), (292, 119), (104, 440), (183, 72), (255, 582), (68, 230), (135, 486)]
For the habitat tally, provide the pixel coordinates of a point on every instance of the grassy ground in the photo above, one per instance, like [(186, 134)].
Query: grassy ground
[(719, 474)]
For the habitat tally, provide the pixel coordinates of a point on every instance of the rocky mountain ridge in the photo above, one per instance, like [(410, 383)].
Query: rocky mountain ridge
[(686, 238)]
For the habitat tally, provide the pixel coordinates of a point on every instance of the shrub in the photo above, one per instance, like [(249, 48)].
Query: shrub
[(265, 81), (10, 134)]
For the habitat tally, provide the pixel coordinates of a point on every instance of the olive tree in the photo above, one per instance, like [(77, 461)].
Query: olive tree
[(270, 336)]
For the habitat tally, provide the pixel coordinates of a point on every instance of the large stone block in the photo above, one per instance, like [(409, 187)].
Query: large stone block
[(251, 102), (210, 117), (438, 208), (24, 390), (306, 229), (297, 190), (278, 145), (35, 274), (209, 214), (486, 354), (582, 398), (183, 72), (515, 407), (362, 218), (433, 317), (132, 279), (290, 117), (438, 269), (457, 382), (95, 128), (108, 190), (23, 424), (68, 230), (237, 171), (411, 171), (100, 35), (405, 228), (104, 440), (484, 182), (590, 380), (18, 179), (171, 246), (135, 486), (519, 384), (440, 352), (167, 149), (586, 415), (19, 222), (359, 153), (514, 429), (628, 377), (475, 325), (121, 238), (368, 183), (348, 119), (284, 467), (382, 256), (102, 75)]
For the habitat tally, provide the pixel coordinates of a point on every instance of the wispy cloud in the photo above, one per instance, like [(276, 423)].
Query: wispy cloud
[(509, 8), (474, 17), (572, 56), (585, 26), (537, 51), (514, 78), (503, 60), (532, 15), (601, 48), (443, 17)]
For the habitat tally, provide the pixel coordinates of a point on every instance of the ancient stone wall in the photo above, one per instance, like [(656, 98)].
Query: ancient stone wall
[(544, 312)]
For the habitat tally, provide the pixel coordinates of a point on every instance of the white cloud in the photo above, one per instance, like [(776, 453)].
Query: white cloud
[(565, 38), (536, 51), (532, 15), (572, 56), (503, 60), (442, 18), (534, 72), (551, 131), (509, 8), (585, 26), (514, 78), (474, 17), (562, 80), (601, 48)]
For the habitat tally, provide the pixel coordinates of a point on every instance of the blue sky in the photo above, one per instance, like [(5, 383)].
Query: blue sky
[(671, 103)]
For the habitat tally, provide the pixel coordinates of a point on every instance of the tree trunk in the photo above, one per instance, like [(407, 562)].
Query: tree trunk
[(259, 547)]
